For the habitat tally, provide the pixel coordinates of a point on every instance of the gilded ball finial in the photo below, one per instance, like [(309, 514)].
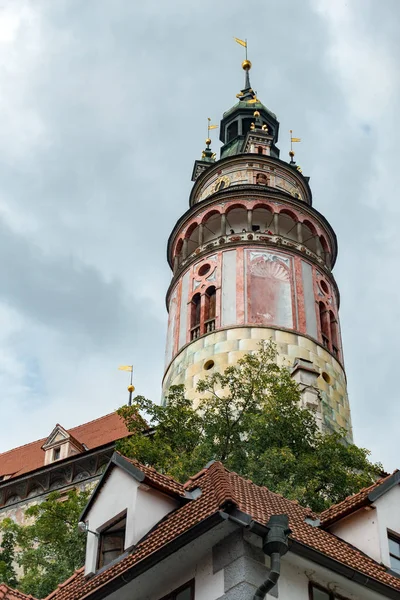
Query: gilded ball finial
[(246, 65), (131, 388), (291, 153), (256, 113), (208, 141)]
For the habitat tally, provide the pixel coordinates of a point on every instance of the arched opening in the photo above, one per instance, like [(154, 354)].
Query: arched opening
[(262, 219), (325, 250), (236, 220), (192, 236), (287, 225), (211, 226), (324, 324), (334, 334), (209, 309), (178, 253), (260, 150), (195, 317), (309, 234)]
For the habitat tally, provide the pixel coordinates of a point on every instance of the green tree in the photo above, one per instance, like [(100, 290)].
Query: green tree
[(7, 559), (250, 418), (50, 548)]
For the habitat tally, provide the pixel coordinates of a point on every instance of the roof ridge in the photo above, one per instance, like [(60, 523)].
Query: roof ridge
[(222, 487), (324, 515)]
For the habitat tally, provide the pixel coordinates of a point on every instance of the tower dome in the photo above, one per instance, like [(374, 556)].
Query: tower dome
[(252, 260)]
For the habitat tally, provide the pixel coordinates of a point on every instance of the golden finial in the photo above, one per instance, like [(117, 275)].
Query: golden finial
[(291, 153), (256, 113), (246, 65), (265, 127), (252, 126), (131, 387), (208, 141)]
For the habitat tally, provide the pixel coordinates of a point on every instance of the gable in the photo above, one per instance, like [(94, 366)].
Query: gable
[(118, 494)]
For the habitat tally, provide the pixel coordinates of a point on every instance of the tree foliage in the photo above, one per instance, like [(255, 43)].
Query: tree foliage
[(250, 418), (7, 559), (49, 549)]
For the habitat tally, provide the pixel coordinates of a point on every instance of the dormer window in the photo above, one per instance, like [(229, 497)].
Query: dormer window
[(56, 453), (112, 542), (394, 552)]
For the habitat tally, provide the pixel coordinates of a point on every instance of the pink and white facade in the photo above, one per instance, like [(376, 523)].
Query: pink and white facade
[(252, 260)]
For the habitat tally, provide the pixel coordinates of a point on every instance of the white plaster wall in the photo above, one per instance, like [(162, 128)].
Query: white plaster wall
[(151, 507), (387, 507), (296, 573), (208, 585), (368, 529), (361, 530), (122, 493)]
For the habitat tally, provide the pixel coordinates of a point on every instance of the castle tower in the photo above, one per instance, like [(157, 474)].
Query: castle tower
[(252, 260)]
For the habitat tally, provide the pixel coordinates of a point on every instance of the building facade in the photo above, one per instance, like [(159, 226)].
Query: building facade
[(252, 260), (65, 460)]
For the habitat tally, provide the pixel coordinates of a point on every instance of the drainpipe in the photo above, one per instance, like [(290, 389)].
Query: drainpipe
[(275, 545)]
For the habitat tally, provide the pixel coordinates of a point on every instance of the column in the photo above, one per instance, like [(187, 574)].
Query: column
[(201, 234), (276, 223), (249, 219), (299, 229), (223, 224), (185, 249)]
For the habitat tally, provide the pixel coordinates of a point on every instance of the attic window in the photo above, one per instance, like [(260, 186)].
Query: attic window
[(56, 453), (111, 542), (317, 592), (186, 592), (394, 551)]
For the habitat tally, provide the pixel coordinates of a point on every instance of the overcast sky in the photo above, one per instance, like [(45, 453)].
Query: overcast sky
[(103, 109)]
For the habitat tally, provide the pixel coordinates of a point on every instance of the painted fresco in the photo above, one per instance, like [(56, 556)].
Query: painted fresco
[(269, 293)]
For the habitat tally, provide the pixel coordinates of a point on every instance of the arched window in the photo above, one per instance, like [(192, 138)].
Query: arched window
[(324, 324), (260, 150), (334, 334), (195, 317), (232, 131), (209, 313)]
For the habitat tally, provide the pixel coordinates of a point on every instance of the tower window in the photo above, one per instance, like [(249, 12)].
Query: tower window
[(260, 150), (210, 306), (324, 324), (232, 131), (56, 453), (195, 317), (334, 334)]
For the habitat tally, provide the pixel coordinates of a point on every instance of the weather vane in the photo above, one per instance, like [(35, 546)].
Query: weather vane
[(293, 140), (131, 387)]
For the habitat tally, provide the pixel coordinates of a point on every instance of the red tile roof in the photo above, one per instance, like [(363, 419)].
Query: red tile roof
[(96, 433), (155, 479), (7, 593), (221, 489), (351, 503)]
